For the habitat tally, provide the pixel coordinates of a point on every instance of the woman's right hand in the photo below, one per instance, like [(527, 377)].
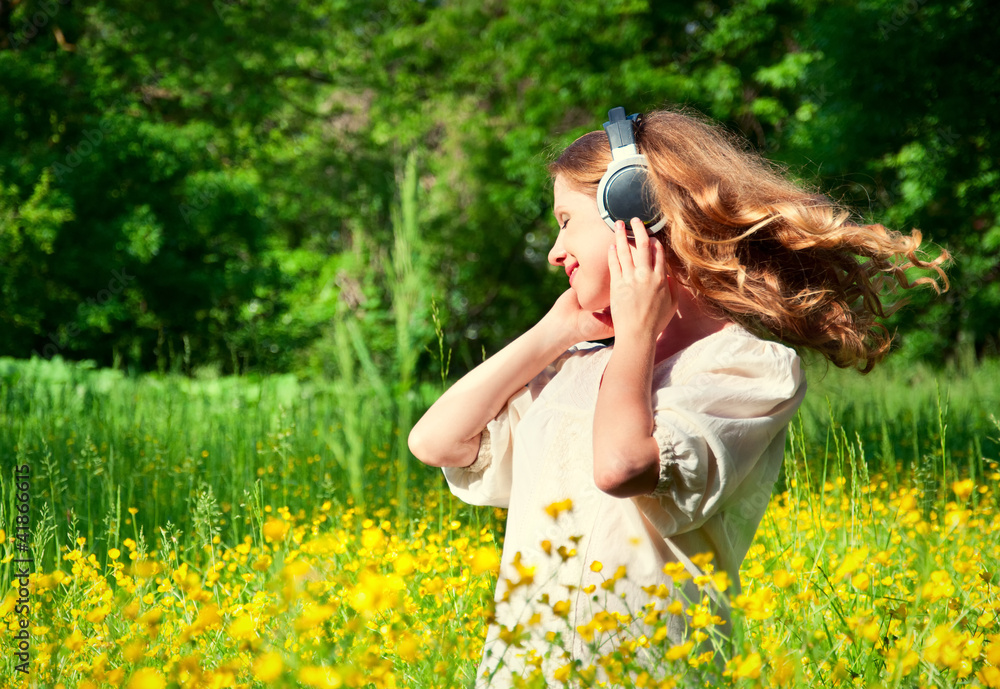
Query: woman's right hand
[(572, 323)]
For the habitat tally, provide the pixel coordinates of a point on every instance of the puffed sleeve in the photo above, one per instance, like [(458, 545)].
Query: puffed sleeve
[(720, 412), (487, 480)]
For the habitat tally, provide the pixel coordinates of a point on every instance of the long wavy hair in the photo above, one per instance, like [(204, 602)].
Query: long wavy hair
[(759, 249)]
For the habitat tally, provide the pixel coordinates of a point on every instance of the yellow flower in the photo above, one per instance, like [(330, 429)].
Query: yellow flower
[(749, 668), (721, 580), (268, 667), (940, 586), (375, 592), (682, 651), (313, 615), (208, 617), (596, 566), (114, 553), (152, 617), (74, 641), (990, 676), (702, 560), (526, 573), (993, 650), (586, 631), (676, 571), (373, 538), (861, 581), (147, 678), (562, 673), (557, 508), (275, 529), (408, 648), (783, 670), (758, 605), (8, 604), (854, 559), (605, 621), (566, 553), (513, 637), (561, 608), (484, 560), (243, 627), (952, 649), (701, 618), (320, 677), (963, 489), (870, 630), (404, 564), (783, 578), (135, 651)]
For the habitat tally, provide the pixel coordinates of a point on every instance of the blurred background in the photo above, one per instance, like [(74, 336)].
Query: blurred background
[(226, 187)]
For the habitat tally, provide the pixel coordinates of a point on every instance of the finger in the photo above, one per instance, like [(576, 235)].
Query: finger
[(614, 265), (659, 257), (643, 257), (624, 250)]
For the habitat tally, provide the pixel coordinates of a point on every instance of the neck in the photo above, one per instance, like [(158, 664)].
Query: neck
[(690, 324)]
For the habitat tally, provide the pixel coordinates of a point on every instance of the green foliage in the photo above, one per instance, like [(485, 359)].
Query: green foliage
[(901, 126), (210, 186)]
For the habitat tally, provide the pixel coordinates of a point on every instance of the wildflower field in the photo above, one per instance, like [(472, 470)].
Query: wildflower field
[(247, 532)]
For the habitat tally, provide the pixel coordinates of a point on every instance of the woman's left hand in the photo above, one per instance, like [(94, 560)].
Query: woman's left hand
[(643, 296)]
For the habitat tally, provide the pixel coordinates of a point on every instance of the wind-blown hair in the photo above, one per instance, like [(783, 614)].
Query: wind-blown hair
[(757, 248)]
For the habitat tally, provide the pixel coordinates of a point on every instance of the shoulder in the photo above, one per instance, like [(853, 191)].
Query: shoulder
[(734, 346), (736, 359)]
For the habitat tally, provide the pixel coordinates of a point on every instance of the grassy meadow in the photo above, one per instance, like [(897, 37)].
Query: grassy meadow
[(247, 532)]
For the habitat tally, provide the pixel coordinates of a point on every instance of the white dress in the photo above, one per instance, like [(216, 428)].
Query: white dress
[(721, 409)]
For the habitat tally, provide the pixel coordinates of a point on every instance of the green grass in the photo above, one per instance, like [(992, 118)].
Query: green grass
[(200, 460), (99, 442)]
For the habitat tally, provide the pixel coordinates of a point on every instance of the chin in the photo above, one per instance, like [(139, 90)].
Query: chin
[(591, 304)]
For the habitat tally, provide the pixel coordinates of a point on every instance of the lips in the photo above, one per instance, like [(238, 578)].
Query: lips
[(570, 270)]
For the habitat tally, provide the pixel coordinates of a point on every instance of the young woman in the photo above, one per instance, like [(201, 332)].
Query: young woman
[(632, 471)]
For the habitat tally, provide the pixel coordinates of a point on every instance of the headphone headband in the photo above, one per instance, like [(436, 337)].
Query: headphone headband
[(620, 129)]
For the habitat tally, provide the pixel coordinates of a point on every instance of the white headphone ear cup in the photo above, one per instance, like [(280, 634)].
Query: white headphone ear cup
[(623, 193)]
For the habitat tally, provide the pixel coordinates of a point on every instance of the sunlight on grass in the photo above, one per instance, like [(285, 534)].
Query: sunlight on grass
[(218, 545)]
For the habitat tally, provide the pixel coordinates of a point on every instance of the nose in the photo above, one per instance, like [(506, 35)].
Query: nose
[(557, 255)]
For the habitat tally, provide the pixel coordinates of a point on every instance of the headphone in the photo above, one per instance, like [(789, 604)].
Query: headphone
[(623, 192)]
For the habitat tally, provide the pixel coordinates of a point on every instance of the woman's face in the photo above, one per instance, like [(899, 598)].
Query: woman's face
[(581, 247)]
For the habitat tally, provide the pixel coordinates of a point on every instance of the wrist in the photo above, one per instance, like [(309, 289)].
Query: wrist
[(549, 338), (638, 352), (635, 338), (552, 334)]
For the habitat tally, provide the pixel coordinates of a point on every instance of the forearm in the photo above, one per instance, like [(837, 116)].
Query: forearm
[(448, 434), (626, 456)]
